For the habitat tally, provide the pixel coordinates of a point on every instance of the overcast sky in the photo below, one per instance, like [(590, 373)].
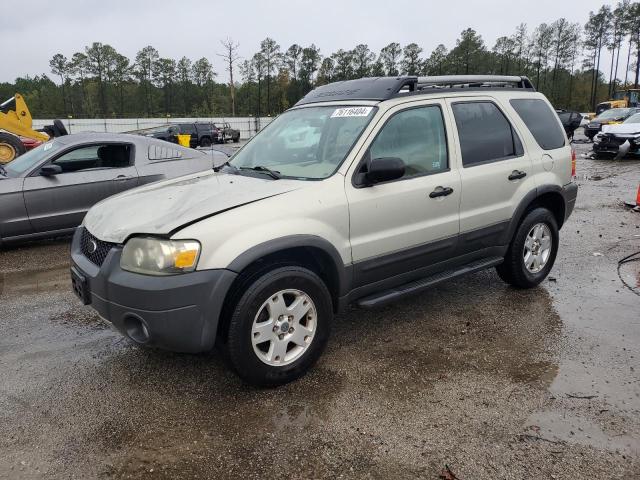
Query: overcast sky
[(31, 36)]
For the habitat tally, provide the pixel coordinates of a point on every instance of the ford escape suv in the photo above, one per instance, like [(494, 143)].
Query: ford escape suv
[(364, 192)]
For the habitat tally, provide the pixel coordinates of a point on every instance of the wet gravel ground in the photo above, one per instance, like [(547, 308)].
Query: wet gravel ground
[(494, 382)]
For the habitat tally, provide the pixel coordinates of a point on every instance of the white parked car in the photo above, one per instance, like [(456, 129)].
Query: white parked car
[(410, 182)]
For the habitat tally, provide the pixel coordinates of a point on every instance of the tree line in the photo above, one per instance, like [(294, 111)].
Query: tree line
[(563, 59)]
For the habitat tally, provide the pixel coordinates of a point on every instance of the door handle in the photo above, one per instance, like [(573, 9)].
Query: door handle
[(441, 192), (517, 175), (122, 178)]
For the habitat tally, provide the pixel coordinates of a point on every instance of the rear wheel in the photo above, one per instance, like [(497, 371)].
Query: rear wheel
[(279, 326), (532, 251), (205, 142), (236, 139), (10, 147)]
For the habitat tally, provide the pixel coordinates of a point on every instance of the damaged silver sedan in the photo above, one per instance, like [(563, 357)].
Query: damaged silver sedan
[(47, 191)]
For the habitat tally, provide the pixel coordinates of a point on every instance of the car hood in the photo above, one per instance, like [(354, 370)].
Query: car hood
[(164, 207), (622, 128)]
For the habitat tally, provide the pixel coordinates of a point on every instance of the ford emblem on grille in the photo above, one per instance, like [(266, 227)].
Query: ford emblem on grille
[(93, 246)]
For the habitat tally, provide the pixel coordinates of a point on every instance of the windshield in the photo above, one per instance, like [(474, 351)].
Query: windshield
[(28, 160), (614, 113), (306, 143), (633, 119)]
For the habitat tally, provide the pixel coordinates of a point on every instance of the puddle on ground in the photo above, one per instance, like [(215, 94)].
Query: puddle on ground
[(562, 427), (630, 274), (34, 281)]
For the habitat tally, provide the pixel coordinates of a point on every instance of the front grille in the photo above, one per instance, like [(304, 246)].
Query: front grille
[(92, 248), (612, 139)]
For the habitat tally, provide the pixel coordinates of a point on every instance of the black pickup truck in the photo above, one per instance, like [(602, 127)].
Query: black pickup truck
[(226, 133), (203, 134)]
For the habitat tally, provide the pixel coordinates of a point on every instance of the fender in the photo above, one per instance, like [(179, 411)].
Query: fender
[(530, 197), (296, 241)]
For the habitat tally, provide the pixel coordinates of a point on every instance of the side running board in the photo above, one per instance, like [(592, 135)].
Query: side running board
[(417, 286)]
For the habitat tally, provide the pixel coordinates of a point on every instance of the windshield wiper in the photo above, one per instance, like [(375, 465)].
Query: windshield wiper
[(260, 168), (225, 164)]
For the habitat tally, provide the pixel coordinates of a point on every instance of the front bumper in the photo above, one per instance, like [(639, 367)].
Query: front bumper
[(611, 144), (592, 131), (173, 312)]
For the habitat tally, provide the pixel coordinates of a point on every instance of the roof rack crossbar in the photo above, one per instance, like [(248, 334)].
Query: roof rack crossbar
[(441, 81)]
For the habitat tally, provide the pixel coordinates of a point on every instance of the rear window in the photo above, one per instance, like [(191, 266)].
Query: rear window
[(541, 121), (485, 133)]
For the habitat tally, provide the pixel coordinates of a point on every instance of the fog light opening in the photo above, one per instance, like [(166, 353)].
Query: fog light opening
[(136, 329)]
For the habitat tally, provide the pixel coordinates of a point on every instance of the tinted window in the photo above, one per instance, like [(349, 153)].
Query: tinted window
[(187, 128), (540, 120), (93, 157), (416, 136), (485, 133)]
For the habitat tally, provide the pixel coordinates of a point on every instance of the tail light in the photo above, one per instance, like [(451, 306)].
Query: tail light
[(573, 162)]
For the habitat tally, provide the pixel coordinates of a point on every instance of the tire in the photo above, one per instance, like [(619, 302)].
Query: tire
[(205, 142), (10, 147), (236, 139), (302, 339), (514, 270)]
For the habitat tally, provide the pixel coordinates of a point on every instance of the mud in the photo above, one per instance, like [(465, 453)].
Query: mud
[(492, 381)]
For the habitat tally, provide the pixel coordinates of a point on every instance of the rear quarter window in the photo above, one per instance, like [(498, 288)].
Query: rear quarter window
[(541, 121)]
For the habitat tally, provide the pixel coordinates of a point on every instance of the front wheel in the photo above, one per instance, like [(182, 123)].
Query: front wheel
[(279, 326), (10, 147), (533, 250)]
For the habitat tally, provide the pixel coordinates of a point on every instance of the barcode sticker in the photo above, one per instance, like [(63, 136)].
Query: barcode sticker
[(352, 112)]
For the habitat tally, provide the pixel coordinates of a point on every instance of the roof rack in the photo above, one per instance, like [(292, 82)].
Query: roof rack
[(474, 81), (384, 88), (375, 88)]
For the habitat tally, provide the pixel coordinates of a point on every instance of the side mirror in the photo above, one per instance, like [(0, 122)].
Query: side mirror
[(383, 170), (50, 170)]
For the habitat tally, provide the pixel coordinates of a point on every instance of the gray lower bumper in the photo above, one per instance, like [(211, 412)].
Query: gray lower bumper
[(570, 194), (178, 312)]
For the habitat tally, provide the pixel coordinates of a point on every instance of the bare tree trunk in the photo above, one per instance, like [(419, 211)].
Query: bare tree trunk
[(626, 72), (613, 58), (615, 75), (637, 64), (230, 57), (595, 93)]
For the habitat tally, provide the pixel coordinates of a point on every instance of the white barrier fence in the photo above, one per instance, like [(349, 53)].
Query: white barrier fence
[(248, 126)]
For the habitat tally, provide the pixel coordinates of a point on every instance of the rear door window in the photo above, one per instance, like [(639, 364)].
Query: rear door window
[(541, 121), (485, 133)]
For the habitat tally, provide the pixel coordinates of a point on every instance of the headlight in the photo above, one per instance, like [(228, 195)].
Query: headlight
[(155, 256)]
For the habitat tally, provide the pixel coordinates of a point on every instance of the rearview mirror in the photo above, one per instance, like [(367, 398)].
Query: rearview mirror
[(384, 169), (50, 170)]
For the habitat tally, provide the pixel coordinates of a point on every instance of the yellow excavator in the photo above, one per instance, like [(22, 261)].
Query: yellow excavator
[(621, 99), (16, 123)]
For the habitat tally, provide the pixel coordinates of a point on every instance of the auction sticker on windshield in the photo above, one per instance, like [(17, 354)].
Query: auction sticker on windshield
[(351, 112)]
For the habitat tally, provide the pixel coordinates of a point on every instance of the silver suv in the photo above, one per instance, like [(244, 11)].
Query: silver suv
[(364, 192)]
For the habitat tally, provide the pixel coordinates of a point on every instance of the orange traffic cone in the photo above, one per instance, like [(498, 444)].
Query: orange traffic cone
[(636, 205)]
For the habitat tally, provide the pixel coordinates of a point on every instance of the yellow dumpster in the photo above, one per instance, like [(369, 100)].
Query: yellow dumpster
[(184, 140)]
